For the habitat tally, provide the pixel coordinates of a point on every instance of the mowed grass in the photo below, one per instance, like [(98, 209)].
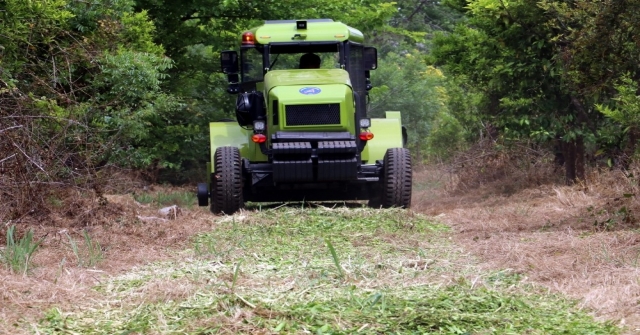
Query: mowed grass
[(321, 271)]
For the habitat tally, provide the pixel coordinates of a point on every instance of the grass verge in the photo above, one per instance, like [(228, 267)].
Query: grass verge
[(322, 271)]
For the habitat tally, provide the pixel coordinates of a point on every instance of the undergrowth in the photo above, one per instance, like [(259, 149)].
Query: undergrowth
[(507, 167), (322, 271)]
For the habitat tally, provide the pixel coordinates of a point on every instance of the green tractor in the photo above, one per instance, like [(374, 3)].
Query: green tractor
[(301, 131)]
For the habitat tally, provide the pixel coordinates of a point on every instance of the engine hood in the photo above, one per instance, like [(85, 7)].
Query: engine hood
[(312, 94), (310, 100), (305, 77)]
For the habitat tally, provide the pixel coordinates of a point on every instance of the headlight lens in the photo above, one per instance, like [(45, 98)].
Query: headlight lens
[(365, 123), (259, 125)]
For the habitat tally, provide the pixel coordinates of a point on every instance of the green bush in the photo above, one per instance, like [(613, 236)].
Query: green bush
[(446, 137)]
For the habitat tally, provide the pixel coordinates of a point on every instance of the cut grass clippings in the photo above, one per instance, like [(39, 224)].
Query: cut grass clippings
[(323, 271)]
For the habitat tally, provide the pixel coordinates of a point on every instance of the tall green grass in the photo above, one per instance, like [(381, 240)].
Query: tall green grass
[(334, 256), (17, 255), (90, 254)]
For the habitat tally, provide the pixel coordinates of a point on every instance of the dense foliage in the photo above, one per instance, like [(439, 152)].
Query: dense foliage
[(542, 67), (86, 85)]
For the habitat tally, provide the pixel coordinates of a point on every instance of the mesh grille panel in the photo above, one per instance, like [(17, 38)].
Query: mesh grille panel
[(301, 115)]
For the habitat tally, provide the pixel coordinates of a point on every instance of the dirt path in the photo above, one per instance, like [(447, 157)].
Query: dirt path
[(579, 241)]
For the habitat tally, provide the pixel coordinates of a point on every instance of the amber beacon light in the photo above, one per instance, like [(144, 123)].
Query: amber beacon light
[(248, 38)]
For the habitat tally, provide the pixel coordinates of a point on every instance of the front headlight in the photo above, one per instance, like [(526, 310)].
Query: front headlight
[(259, 125), (365, 123)]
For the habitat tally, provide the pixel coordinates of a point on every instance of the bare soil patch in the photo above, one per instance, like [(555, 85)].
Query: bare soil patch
[(581, 241)]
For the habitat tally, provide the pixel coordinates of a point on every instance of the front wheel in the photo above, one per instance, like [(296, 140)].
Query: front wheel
[(226, 183), (395, 186)]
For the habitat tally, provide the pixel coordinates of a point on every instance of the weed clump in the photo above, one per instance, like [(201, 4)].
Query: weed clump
[(17, 254), (90, 254)]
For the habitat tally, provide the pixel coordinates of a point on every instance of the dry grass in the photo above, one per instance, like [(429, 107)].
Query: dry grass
[(533, 226), (581, 241), (126, 241), (257, 272)]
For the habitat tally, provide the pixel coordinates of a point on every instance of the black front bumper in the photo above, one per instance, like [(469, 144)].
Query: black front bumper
[(311, 166)]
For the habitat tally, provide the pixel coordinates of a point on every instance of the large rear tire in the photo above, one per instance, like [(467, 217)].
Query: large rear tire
[(395, 187), (226, 183)]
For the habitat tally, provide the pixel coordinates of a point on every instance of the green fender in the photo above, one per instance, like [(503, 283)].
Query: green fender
[(224, 134), (387, 133)]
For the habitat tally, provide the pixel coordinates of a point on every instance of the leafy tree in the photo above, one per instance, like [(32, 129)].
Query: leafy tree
[(597, 47), (446, 137), (28, 28), (628, 103), (597, 42), (507, 52), (426, 16), (626, 111), (135, 112), (463, 101)]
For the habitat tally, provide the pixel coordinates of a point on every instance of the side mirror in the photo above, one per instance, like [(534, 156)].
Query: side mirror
[(229, 62), (370, 58)]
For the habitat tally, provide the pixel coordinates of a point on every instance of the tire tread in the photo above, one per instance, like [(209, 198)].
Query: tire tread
[(226, 190), (397, 178)]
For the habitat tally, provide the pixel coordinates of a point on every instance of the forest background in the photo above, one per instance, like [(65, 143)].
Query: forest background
[(90, 86)]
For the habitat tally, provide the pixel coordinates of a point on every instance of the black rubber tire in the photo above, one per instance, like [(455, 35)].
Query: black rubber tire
[(226, 192), (203, 194), (395, 187)]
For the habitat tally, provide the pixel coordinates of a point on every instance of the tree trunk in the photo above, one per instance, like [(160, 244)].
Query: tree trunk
[(558, 152), (580, 164), (570, 162), (574, 163)]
